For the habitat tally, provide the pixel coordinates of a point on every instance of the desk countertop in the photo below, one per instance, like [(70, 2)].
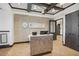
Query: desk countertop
[(39, 35)]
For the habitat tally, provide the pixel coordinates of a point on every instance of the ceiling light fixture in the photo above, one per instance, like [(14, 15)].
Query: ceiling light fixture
[(53, 10), (42, 11)]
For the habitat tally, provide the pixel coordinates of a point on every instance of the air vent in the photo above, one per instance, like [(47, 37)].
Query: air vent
[(3, 38)]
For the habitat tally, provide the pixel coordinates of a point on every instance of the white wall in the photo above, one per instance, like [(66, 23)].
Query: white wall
[(62, 15), (6, 20)]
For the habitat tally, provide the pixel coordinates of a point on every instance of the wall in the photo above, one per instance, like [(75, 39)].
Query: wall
[(22, 34), (6, 20), (52, 27), (62, 15)]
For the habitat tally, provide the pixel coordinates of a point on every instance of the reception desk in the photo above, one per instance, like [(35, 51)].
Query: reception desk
[(40, 44)]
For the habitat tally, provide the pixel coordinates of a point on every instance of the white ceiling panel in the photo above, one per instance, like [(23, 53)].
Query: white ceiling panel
[(19, 5), (38, 8)]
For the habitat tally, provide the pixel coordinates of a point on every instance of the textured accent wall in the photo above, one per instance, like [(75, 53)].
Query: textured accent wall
[(22, 34)]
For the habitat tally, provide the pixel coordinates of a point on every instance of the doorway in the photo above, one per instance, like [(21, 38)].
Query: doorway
[(52, 28), (59, 24)]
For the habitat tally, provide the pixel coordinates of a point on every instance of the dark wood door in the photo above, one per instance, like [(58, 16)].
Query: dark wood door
[(68, 29), (72, 30), (77, 30)]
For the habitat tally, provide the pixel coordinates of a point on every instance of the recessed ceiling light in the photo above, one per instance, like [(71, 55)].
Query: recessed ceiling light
[(62, 3)]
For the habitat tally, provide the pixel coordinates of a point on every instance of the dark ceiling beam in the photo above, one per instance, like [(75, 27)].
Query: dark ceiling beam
[(19, 8), (26, 9), (29, 6), (49, 7), (10, 5), (58, 8)]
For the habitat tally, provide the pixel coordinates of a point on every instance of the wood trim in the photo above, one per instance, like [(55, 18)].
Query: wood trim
[(5, 46), (70, 5), (21, 42), (19, 8), (10, 5)]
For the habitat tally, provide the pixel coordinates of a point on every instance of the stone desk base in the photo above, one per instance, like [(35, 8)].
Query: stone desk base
[(41, 44)]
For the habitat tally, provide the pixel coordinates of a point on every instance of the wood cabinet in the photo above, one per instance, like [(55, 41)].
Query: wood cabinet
[(72, 30)]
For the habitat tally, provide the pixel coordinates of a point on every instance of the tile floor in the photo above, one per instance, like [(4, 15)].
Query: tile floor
[(23, 49)]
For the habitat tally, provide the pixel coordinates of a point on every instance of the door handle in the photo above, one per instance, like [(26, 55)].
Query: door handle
[(78, 25), (78, 35)]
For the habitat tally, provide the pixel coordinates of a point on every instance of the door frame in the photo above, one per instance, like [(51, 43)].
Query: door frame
[(62, 27), (54, 36)]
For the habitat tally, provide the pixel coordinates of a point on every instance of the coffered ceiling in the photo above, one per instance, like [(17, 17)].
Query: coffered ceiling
[(43, 8)]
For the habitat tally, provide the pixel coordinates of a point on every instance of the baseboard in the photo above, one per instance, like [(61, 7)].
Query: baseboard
[(7, 46), (21, 42)]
